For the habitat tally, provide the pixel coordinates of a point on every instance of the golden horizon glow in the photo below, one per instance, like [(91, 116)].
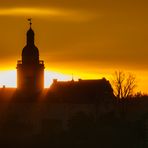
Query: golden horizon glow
[(8, 78), (90, 39)]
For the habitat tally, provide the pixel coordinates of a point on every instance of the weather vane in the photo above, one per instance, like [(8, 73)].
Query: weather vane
[(30, 21)]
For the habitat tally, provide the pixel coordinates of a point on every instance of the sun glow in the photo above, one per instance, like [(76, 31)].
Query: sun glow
[(49, 76), (9, 78)]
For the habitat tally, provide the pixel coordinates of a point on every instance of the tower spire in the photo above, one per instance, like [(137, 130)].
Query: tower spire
[(30, 21), (30, 71), (30, 34)]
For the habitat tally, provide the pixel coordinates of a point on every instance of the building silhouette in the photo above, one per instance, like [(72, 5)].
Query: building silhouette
[(30, 70), (42, 112), (81, 113)]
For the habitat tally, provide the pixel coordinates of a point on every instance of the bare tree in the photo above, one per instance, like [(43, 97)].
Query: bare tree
[(123, 84)]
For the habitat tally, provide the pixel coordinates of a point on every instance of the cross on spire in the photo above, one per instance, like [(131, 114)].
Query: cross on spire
[(30, 21)]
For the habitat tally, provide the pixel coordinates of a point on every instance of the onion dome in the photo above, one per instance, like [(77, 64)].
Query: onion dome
[(30, 53)]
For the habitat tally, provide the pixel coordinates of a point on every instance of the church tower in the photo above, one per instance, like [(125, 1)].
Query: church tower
[(30, 70)]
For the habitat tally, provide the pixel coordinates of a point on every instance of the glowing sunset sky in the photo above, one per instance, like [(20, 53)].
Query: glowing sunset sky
[(89, 38)]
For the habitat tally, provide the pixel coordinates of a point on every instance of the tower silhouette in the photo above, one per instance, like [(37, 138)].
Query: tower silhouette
[(30, 70)]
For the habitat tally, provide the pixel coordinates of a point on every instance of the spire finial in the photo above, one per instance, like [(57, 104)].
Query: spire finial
[(72, 77), (30, 21)]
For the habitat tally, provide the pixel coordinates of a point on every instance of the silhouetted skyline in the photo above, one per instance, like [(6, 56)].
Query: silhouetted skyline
[(74, 40), (90, 39)]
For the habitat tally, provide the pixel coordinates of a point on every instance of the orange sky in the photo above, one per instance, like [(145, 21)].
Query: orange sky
[(90, 39)]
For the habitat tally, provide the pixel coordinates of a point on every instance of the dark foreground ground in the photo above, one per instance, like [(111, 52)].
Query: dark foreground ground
[(126, 126), (109, 132)]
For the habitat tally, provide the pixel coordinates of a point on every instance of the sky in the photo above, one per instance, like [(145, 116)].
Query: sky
[(87, 39)]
